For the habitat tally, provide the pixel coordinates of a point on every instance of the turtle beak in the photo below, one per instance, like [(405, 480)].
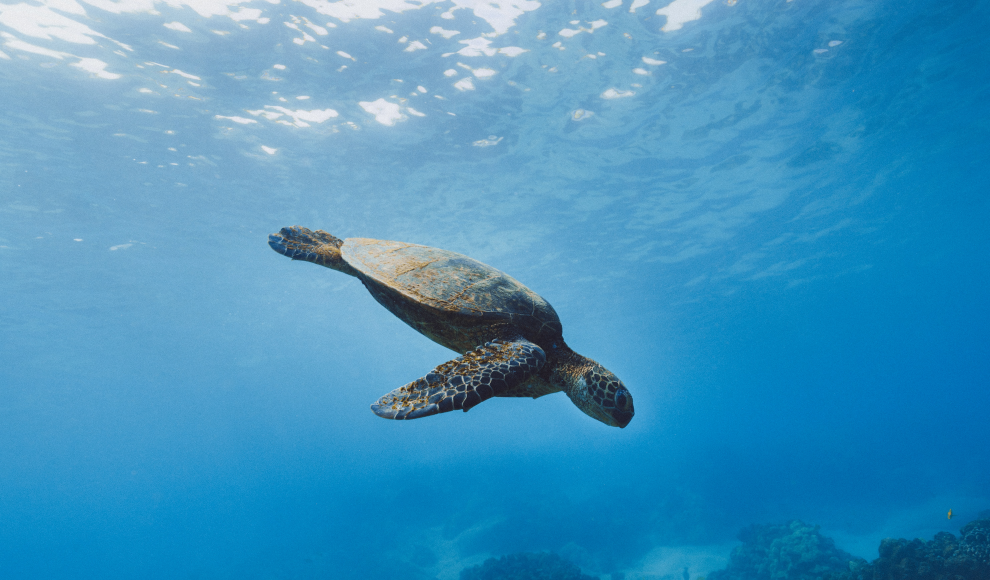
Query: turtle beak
[(611, 417), (622, 418)]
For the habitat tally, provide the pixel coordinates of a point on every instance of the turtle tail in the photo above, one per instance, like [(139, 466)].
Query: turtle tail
[(318, 247)]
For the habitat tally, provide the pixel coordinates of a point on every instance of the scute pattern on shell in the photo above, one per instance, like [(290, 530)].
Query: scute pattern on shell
[(452, 283), (465, 381)]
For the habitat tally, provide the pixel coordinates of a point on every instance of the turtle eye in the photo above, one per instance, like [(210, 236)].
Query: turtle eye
[(621, 398)]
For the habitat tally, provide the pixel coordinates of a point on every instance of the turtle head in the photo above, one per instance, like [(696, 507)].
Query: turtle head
[(596, 391)]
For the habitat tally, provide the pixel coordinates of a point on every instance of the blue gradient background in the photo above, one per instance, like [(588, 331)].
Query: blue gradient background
[(784, 255)]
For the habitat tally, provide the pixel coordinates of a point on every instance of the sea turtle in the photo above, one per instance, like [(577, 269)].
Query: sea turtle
[(509, 338)]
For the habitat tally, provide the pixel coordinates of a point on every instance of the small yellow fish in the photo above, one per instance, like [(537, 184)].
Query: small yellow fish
[(950, 514)]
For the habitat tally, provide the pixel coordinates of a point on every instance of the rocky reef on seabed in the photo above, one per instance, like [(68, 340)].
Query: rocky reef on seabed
[(943, 558), (797, 551), (793, 551), (525, 566)]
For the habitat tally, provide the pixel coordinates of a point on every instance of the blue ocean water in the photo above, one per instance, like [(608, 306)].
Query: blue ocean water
[(768, 218)]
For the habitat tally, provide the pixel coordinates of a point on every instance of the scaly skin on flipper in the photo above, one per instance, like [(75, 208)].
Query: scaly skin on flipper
[(318, 247), (465, 381)]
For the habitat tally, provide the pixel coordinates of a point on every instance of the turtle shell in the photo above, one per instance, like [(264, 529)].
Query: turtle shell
[(461, 291)]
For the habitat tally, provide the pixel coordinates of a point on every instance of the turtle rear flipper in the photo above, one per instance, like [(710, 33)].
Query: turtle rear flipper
[(318, 247), (462, 383)]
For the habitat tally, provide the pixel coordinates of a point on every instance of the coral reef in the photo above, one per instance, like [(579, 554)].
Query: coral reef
[(974, 542), (797, 551), (793, 551), (525, 566), (943, 558)]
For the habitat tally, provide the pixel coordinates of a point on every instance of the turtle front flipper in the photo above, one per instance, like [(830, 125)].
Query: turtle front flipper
[(318, 247), (462, 383)]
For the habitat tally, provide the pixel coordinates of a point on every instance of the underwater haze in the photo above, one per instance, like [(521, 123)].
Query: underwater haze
[(769, 218)]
